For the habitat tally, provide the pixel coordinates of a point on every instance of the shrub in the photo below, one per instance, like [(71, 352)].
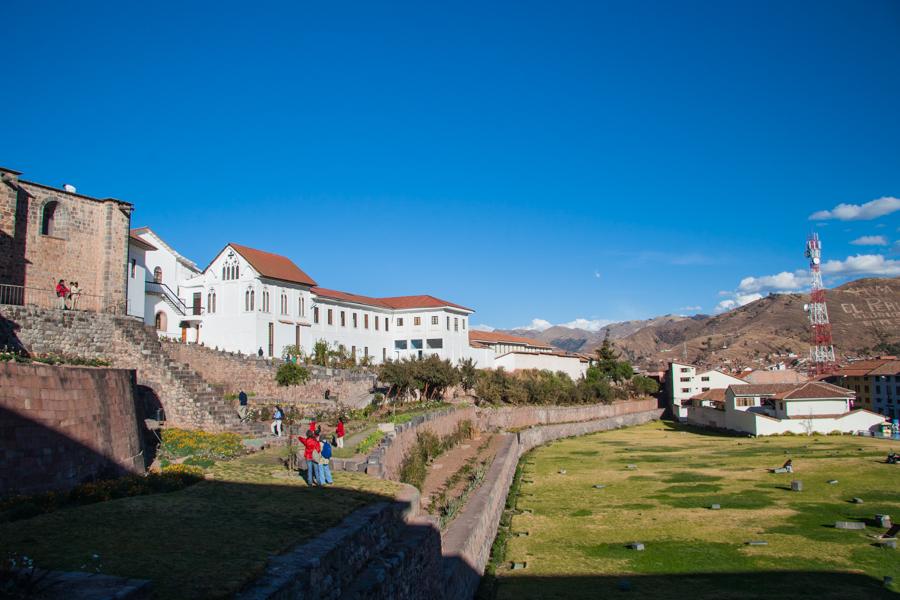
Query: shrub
[(371, 440), (291, 374)]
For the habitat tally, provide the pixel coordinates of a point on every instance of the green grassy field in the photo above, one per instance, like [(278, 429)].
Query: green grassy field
[(574, 540), (200, 542)]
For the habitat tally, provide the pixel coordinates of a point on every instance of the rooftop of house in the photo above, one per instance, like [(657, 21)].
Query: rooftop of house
[(761, 376), (141, 243), (862, 368), (138, 231), (793, 391), (715, 395), (273, 266), (495, 337)]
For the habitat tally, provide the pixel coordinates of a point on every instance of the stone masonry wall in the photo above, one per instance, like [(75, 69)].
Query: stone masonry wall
[(518, 417), (234, 373), (89, 243), (61, 426)]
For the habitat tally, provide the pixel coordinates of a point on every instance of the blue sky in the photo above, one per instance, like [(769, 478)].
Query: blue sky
[(552, 161)]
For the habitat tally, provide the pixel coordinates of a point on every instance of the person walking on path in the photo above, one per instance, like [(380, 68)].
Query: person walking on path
[(325, 462), (278, 417), (62, 292), (311, 447), (339, 432), (242, 405)]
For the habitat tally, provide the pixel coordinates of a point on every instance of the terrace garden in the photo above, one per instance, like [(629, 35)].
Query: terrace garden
[(579, 505)]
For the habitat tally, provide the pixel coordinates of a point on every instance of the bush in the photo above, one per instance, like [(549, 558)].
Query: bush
[(291, 374), (371, 440)]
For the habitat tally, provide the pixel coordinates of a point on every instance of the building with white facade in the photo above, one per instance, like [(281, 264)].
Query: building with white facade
[(492, 349), (136, 275), (772, 409), (685, 381)]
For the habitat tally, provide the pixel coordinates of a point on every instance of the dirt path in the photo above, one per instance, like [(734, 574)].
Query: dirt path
[(448, 463)]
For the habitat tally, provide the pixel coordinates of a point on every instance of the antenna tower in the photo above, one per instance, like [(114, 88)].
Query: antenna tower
[(821, 351)]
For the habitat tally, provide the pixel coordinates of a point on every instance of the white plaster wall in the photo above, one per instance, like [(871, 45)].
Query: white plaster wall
[(137, 301), (795, 408), (573, 367)]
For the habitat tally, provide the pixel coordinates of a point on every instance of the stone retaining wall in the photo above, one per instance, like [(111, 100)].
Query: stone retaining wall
[(61, 426), (470, 536), (234, 372), (383, 550), (518, 417)]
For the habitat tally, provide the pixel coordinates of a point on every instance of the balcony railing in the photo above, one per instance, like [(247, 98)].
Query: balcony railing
[(157, 287), (19, 295)]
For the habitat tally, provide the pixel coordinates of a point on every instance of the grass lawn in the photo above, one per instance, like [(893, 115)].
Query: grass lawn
[(204, 541), (577, 536)]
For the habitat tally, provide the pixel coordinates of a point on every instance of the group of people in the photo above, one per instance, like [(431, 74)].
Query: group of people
[(317, 452), (67, 295)]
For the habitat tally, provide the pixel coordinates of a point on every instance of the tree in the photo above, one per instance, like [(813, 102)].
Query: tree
[(609, 364), (468, 374)]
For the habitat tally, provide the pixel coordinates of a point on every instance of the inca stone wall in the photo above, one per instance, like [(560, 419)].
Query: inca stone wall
[(61, 426), (234, 373), (89, 244)]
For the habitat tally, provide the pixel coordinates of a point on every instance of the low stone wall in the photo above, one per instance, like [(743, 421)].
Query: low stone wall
[(385, 461), (518, 417), (61, 426), (469, 537), (383, 550), (234, 372)]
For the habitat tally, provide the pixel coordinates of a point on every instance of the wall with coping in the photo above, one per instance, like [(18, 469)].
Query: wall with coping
[(233, 373), (61, 426), (517, 417)]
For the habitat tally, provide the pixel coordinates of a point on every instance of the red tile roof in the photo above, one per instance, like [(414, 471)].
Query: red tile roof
[(495, 337), (420, 301), (891, 367), (395, 302), (793, 391), (861, 368), (714, 394), (348, 297), (273, 266)]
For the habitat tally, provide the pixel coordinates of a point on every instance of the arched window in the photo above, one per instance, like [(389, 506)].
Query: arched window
[(214, 301), (247, 300), (161, 321), (157, 275), (301, 306), (224, 274), (53, 219), (284, 304), (208, 302), (237, 271), (252, 299)]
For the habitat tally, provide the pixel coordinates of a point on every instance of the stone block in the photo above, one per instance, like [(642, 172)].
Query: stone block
[(884, 521), (796, 485), (639, 546), (854, 525), (757, 543)]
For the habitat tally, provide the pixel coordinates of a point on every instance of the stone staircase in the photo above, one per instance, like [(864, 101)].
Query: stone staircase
[(188, 400)]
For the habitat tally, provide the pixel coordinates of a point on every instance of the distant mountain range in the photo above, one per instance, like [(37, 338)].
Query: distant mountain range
[(864, 313)]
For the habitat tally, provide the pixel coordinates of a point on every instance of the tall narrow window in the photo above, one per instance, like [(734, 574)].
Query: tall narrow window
[(417, 321), (343, 319), (366, 320), (376, 322), (157, 275), (330, 316), (224, 273), (434, 320), (387, 324), (209, 302), (247, 300), (50, 219), (133, 267), (448, 323), (464, 324), (315, 314), (214, 301), (284, 304), (455, 324), (355, 320), (301, 306), (252, 299)]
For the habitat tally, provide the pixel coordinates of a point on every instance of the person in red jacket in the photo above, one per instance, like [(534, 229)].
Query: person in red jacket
[(62, 293), (339, 432), (312, 424), (311, 446)]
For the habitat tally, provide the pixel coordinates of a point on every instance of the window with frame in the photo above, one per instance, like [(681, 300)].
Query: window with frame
[(464, 324), (315, 314), (685, 379), (284, 304), (376, 322), (387, 324), (435, 320), (399, 321), (355, 320), (133, 267), (744, 402), (400, 344), (343, 319), (416, 344), (448, 323), (330, 317), (704, 378), (301, 306), (455, 324), (685, 370), (366, 320), (417, 321), (434, 343)]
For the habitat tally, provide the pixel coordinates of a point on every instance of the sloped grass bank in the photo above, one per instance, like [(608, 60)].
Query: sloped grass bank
[(204, 541), (657, 485)]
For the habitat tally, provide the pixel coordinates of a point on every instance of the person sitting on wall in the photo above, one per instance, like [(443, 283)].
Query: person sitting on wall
[(62, 293), (787, 467)]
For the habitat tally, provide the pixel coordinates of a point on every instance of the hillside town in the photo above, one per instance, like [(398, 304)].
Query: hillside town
[(420, 301)]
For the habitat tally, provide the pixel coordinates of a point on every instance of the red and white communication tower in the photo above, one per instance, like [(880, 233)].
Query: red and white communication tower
[(821, 353)]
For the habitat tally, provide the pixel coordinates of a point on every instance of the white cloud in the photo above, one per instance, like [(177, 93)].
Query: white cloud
[(597, 274), (588, 324), (482, 328), (537, 325), (691, 308), (781, 282), (737, 300), (870, 240), (862, 264), (859, 212)]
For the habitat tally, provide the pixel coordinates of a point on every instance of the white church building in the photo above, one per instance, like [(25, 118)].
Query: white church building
[(247, 300)]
